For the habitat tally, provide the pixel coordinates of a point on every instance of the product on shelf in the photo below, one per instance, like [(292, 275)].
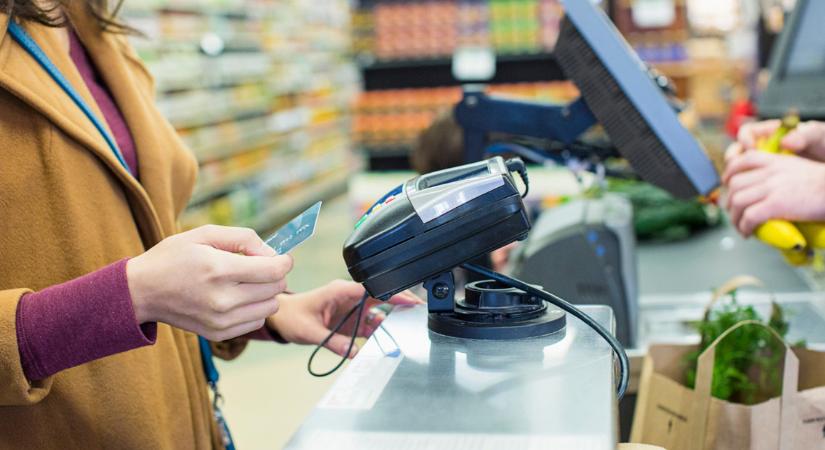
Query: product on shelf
[(389, 120), (399, 30)]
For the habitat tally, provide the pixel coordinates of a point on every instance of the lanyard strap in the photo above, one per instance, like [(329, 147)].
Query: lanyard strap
[(25, 40), (19, 34), (209, 368)]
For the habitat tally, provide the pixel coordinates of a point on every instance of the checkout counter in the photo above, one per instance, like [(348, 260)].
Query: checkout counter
[(411, 388)]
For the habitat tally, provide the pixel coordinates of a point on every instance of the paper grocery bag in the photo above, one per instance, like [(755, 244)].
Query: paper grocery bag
[(673, 416)]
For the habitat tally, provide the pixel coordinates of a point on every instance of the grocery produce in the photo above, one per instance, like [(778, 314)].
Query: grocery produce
[(658, 215), (795, 240), (748, 363)]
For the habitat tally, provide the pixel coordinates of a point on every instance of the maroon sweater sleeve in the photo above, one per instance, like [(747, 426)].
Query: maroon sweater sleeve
[(82, 320), (78, 321)]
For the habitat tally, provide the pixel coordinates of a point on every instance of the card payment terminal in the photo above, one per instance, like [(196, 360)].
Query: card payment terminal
[(435, 222)]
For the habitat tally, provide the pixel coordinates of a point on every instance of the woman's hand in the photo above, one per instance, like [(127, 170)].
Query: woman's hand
[(501, 256), (806, 140), (764, 186), (307, 318), (218, 282)]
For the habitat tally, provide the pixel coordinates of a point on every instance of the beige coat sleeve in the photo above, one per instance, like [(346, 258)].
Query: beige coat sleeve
[(15, 389)]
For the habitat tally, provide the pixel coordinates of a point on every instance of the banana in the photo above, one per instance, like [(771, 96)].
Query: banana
[(776, 232), (781, 234), (797, 257), (773, 144), (814, 233)]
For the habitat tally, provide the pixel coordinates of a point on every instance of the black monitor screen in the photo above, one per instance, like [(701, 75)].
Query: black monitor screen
[(807, 55)]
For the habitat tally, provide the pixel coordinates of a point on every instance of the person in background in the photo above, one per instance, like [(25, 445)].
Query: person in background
[(764, 186), (101, 300), (439, 146)]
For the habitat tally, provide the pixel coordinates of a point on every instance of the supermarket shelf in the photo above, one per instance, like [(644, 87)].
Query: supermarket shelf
[(438, 72), (224, 150), (217, 151), (203, 72), (177, 85), (266, 114), (204, 117), (207, 192), (286, 206), (203, 193), (180, 7)]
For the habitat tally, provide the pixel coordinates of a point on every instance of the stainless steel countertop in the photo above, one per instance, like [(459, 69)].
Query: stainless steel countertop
[(707, 260), (440, 392)]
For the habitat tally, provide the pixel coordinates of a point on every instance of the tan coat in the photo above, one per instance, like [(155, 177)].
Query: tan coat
[(68, 208)]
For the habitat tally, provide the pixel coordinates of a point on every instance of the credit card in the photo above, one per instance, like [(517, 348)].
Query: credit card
[(296, 231)]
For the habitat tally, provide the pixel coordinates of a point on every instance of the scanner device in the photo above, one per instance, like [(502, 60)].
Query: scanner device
[(420, 231), (435, 222)]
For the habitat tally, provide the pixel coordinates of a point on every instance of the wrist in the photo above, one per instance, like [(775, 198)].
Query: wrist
[(272, 331), (141, 306), (271, 324)]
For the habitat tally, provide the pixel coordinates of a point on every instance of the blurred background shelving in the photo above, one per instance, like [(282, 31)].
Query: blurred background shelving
[(276, 97), (404, 51), (387, 122), (261, 91)]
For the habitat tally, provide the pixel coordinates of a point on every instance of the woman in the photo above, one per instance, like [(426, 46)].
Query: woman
[(100, 301), (764, 186)]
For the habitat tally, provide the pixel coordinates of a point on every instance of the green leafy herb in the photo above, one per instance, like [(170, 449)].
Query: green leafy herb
[(748, 362)]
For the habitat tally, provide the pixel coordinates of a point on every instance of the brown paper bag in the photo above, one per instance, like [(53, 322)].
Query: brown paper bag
[(673, 416)]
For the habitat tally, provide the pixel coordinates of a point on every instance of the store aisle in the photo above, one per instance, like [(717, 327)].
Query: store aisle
[(267, 389)]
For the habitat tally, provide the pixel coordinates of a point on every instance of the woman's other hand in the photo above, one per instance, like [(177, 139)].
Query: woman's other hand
[(307, 318), (219, 282), (500, 257)]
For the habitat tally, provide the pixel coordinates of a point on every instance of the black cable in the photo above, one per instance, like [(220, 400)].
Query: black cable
[(624, 364), (360, 308), (517, 165)]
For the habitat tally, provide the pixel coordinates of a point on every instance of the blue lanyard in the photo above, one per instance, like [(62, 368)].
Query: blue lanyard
[(28, 44)]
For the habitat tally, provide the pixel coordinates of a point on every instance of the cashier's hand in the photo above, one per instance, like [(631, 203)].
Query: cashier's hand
[(806, 140), (764, 186), (307, 318), (218, 282)]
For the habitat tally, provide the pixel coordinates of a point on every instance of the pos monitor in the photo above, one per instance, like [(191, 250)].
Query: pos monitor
[(617, 91), (798, 66)]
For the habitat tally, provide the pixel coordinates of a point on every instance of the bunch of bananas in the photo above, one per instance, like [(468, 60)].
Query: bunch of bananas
[(795, 240)]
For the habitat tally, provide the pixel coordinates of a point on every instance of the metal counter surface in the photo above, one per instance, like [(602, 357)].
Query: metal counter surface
[(440, 392), (707, 260)]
